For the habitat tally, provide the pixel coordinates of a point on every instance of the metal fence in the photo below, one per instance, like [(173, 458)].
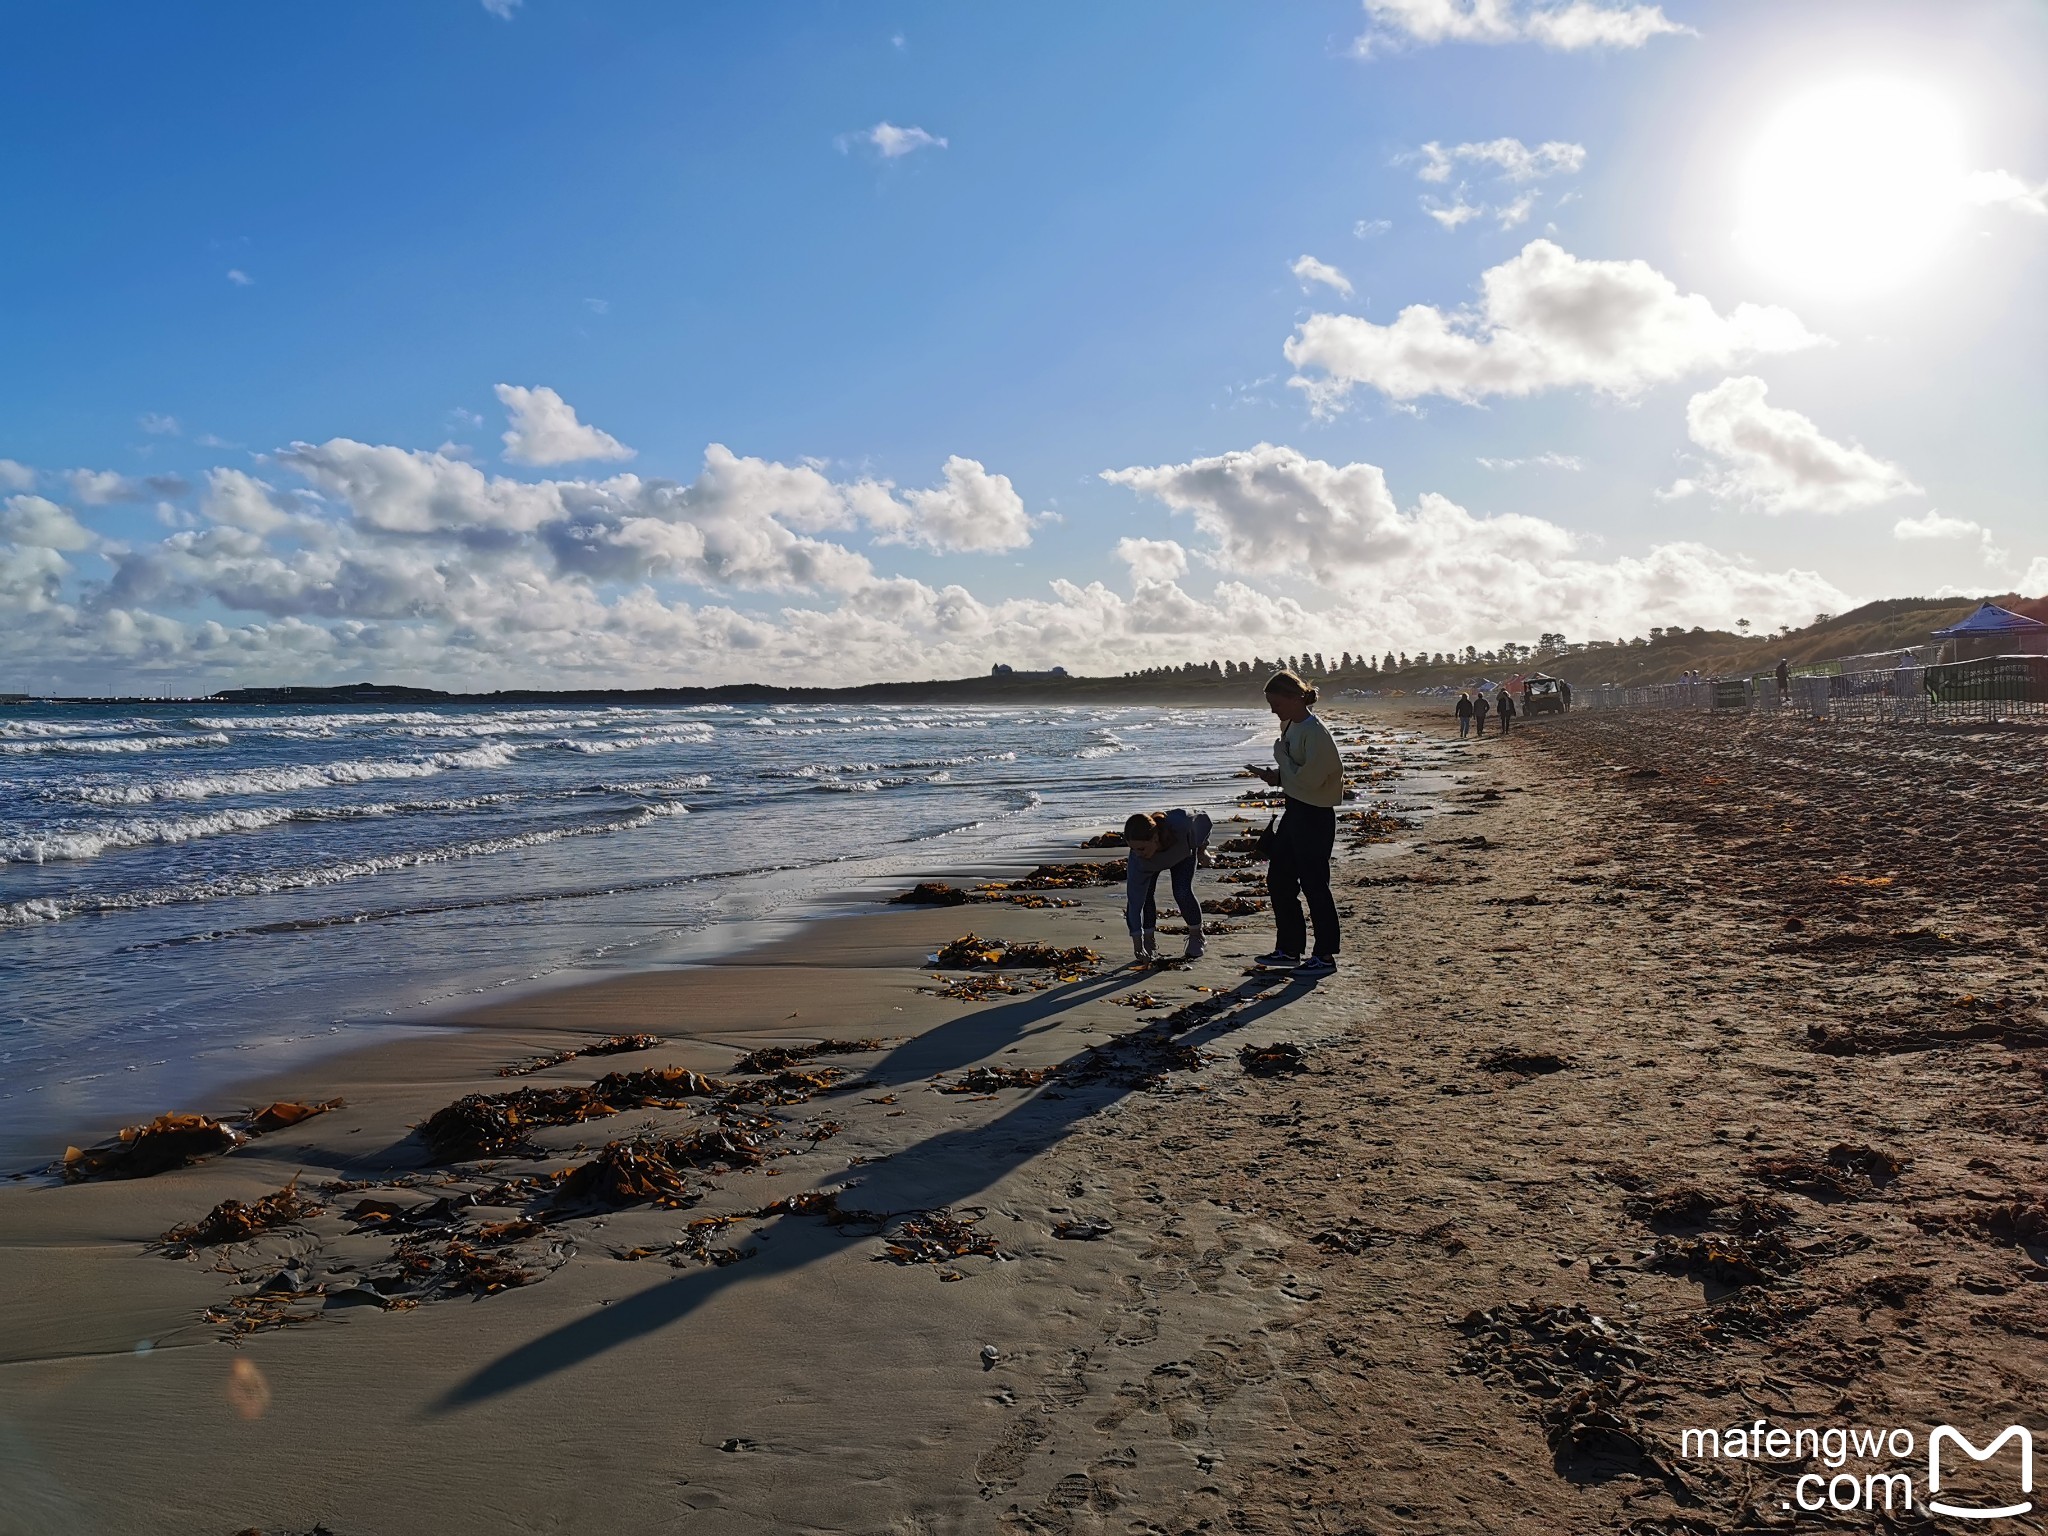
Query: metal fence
[(1990, 691)]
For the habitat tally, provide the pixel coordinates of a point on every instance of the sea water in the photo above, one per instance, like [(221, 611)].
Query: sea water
[(191, 893)]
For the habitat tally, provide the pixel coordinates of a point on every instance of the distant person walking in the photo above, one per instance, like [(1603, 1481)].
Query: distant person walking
[(1784, 678), (1159, 842), (1464, 715), (1504, 705), (1310, 773), (1479, 710)]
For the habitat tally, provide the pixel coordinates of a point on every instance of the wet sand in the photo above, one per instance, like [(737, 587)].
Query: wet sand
[(1575, 1059)]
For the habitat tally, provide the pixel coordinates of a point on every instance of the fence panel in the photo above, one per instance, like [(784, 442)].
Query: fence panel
[(1989, 691)]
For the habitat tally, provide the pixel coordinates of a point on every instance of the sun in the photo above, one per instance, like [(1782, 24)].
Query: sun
[(1852, 187)]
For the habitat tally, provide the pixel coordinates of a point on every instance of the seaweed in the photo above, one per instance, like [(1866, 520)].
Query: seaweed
[(176, 1140), (232, 1221), (611, 1045)]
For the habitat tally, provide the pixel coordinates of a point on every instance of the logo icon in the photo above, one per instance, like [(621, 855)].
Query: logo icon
[(1964, 1512)]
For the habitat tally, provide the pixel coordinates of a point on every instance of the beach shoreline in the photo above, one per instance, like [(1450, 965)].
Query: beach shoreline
[(1266, 1255)]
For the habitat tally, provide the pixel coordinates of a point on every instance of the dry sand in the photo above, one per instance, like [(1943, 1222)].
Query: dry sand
[(1571, 1034)]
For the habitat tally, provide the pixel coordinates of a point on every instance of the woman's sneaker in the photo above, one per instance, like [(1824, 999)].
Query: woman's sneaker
[(1278, 960), (1196, 948), (1316, 965)]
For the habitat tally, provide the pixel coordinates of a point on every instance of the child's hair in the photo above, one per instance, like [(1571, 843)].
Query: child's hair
[(1290, 683), (1148, 825)]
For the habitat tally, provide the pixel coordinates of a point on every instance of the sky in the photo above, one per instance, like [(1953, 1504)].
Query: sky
[(489, 343)]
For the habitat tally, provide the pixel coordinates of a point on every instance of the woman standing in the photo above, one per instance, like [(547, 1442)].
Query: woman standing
[(1308, 771), (1464, 715), (1168, 841)]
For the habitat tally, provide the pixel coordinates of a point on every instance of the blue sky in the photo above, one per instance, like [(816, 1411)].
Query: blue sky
[(924, 274)]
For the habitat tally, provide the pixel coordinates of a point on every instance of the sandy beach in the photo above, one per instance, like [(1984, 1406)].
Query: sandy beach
[(1679, 1071)]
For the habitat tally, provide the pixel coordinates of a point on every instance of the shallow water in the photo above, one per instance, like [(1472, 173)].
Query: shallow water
[(192, 893)]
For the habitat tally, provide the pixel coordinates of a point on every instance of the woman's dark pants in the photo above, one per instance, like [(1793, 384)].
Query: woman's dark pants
[(1302, 845)]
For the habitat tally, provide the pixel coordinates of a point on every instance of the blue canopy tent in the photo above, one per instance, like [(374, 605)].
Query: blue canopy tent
[(1995, 631)]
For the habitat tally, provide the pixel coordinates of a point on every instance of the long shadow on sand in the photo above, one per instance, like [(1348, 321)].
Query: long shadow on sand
[(940, 1171)]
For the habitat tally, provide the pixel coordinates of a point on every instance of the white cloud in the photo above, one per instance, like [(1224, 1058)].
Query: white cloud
[(1407, 576), (2035, 582), (1153, 559), (42, 524), (1511, 159), (1309, 270), (544, 430), (1774, 460), (1576, 24), (1371, 229), (974, 511), (893, 143), (240, 278), (15, 476), (104, 487), (1936, 525), (1546, 320), (1457, 213), (1510, 214), (242, 501), (1540, 460), (2002, 189), (504, 10), (158, 425)]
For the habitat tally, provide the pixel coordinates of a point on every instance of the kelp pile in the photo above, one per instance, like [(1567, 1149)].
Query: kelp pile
[(988, 1079), (936, 893), (971, 952), (611, 1045), (233, 1221), (175, 1140), (480, 1124)]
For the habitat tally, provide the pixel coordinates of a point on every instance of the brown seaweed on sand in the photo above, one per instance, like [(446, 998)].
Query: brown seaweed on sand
[(233, 1221), (971, 950), (936, 1237), (611, 1045), (774, 1058), (482, 1123), (174, 1140), (988, 1079)]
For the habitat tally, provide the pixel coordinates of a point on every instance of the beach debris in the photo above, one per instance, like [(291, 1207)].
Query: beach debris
[(175, 1140), (1060, 877), (990, 1357), (634, 1172), (780, 1088), (1725, 1260), (1111, 839), (936, 1237), (611, 1045), (1687, 1208), (482, 1123), (970, 951), (1082, 1229), (977, 987), (776, 1058), (1847, 1172), (936, 893), (1234, 906), (1139, 1000), (988, 1079), (1518, 1061), (1551, 1350), (932, 893), (1276, 1060), (233, 1221), (1964, 1020)]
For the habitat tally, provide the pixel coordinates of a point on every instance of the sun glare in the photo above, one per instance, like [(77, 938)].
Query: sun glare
[(1852, 187)]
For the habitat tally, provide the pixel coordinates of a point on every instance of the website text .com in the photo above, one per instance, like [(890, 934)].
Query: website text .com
[(1890, 1485)]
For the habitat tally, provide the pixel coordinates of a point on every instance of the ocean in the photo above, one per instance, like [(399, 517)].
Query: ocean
[(190, 894)]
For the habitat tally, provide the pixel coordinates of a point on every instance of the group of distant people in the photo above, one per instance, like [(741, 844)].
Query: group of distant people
[(1473, 709)]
